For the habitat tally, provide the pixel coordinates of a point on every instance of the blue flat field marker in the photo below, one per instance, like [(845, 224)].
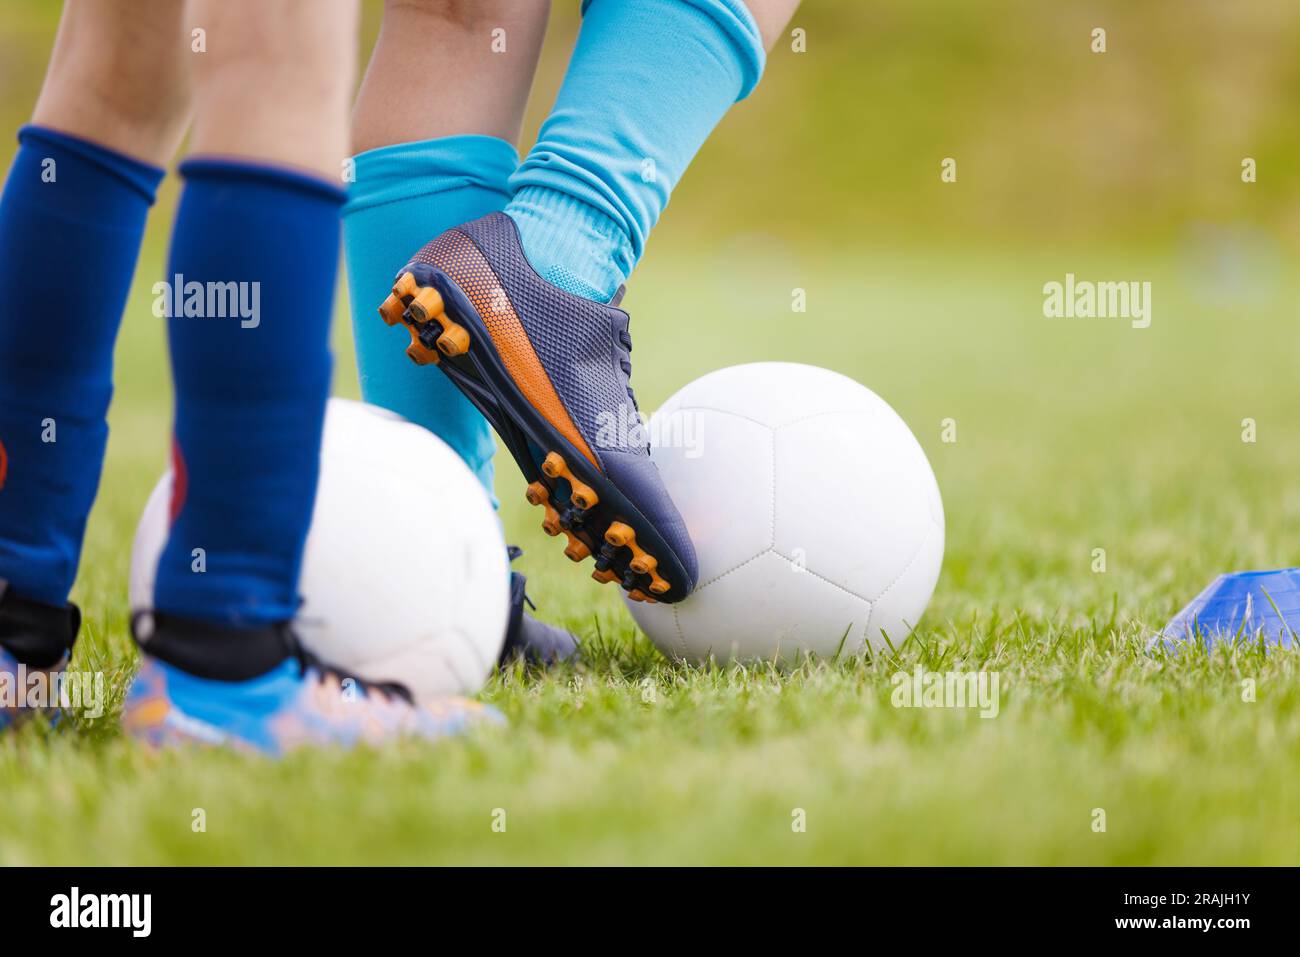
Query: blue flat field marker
[(1241, 603)]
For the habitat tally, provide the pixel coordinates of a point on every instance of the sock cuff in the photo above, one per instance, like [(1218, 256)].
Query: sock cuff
[(402, 171), (227, 169), (577, 228), (556, 206), (738, 28), (141, 176)]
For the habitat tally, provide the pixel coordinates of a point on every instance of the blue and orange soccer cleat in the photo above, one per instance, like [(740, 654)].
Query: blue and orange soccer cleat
[(550, 371), (14, 684), (299, 702)]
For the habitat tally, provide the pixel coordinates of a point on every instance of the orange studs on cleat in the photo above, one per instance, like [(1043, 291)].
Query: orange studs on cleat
[(536, 494), (553, 465), (577, 549), (394, 306), (426, 305), (454, 340), (406, 286), (391, 311), (643, 563), (619, 534), (419, 354), (582, 495), (551, 523)]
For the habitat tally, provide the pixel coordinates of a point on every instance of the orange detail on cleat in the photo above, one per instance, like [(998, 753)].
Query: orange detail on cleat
[(553, 465), (643, 563), (426, 305), (577, 549), (454, 340), (619, 534), (537, 494), (582, 494), (551, 523), (406, 286), (637, 594), (420, 355), (392, 309), (604, 577)]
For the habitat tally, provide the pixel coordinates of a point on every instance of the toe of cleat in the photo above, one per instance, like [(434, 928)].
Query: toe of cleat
[(619, 538), (642, 562)]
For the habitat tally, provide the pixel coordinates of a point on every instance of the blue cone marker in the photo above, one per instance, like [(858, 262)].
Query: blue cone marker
[(1245, 603)]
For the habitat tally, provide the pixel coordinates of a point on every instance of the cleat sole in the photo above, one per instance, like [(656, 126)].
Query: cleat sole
[(577, 500)]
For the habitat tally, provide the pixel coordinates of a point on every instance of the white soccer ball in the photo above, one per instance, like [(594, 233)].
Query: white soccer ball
[(815, 516), (405, 576)]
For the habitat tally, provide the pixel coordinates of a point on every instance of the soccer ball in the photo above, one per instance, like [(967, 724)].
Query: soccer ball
[(405, 576), (815, 516)]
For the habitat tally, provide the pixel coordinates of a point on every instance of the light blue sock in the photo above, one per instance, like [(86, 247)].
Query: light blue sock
[(647, 84), (403, 196)]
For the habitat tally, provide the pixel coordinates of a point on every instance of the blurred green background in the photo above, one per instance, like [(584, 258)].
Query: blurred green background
[(1053, 142), (1072, 435)]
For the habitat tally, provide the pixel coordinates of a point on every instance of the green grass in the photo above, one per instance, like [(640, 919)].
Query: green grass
[(1071, 436)]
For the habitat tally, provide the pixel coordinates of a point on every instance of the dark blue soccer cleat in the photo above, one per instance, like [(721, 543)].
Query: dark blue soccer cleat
[(550, 371), (34, 637)]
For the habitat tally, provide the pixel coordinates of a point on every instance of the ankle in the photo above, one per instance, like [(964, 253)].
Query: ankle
[(571, 244)]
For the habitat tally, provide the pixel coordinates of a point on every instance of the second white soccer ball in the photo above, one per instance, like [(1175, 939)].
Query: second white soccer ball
[(815, 515)]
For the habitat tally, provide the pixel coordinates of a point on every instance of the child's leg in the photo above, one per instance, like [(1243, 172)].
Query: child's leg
[(253, 265), (647, 84), (256, 235), (114, 105), (521, 309), (434, 126)]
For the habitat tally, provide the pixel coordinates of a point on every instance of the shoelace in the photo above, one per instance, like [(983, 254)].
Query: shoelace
[(308, 661), (625, 362)]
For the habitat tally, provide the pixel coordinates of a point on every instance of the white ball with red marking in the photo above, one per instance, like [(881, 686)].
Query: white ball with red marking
[(815, 515), (405, 576)]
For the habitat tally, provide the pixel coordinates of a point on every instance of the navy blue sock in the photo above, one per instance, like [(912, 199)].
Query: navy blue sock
[(71, 219), (250, 289)]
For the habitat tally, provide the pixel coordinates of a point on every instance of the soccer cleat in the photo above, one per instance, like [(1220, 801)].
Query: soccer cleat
[(34, 637), (550, 371), (526, 637), (298, 702)]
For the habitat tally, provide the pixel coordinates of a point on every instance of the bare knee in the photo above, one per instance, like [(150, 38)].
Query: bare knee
[(295, 51), (274, 80), (120, 77)]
